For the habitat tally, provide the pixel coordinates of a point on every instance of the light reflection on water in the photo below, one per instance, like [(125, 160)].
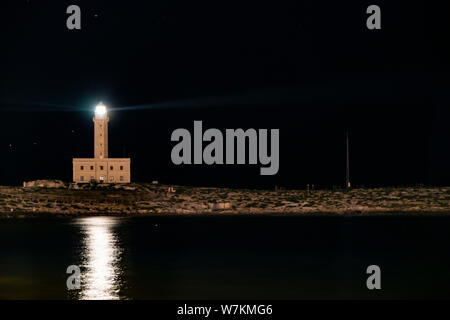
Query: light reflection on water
[(100, 256)]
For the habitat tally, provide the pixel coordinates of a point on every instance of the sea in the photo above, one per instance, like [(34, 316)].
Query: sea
[(225, 257)]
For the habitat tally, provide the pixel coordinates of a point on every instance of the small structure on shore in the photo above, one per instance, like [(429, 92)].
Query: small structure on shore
[(44, 184), (101, 169)]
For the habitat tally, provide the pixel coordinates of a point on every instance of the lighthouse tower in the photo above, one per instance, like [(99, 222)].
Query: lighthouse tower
[(101, 168), (101, 132)]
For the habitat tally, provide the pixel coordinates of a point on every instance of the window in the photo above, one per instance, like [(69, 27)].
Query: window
[(102, 178), (101, 167), (121, 178), (92, 177), (92, 167), (81, 167), (121, 167), (111, 178), (82, 178), (111, 168)]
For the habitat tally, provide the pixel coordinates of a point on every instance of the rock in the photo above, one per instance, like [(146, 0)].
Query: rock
[(220, 206)]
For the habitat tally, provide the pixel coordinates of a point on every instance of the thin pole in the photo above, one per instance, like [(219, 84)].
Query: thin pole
[(347, 177)]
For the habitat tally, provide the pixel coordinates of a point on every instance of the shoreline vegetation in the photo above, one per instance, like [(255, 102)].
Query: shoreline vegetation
[(53, 198)]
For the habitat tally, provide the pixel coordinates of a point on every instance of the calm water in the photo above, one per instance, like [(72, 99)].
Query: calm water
[(225, 257)]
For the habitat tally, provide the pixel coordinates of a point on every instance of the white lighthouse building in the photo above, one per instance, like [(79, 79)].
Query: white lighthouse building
[(101, 168)]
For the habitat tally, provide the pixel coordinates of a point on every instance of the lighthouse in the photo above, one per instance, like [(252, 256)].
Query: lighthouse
[(101, 132), (101, 168)]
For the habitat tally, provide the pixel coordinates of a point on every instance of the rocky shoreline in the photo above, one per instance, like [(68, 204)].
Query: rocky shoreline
[(152, 199)]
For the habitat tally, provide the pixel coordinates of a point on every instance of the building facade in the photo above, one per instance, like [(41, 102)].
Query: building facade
[(101, 169)]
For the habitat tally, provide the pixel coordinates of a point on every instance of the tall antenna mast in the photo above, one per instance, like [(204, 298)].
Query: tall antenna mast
[(347, 176)]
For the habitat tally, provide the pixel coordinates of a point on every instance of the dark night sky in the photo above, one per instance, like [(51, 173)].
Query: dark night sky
[(309, 68)]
